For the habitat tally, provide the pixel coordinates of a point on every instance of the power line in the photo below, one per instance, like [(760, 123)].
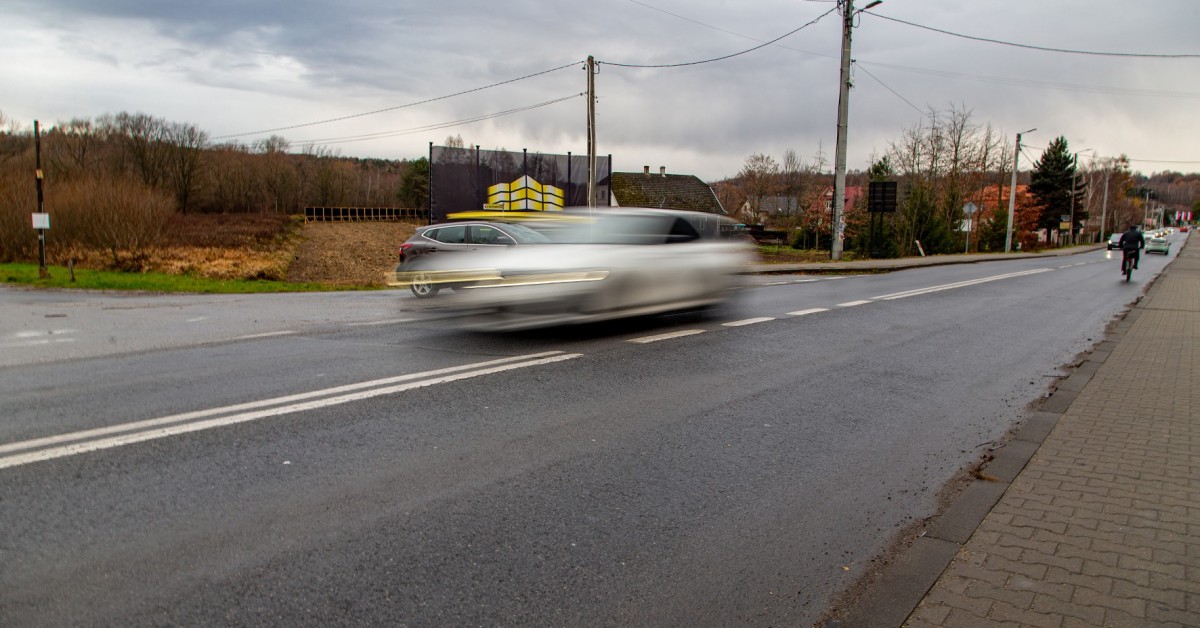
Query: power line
[(722, 58), (897, 94), (431, 127), (1042, 48), (1021, 82), (735, 34), (1163, 161), (412, 104)]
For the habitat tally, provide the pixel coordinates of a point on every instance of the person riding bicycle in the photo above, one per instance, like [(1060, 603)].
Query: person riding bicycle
[(1132, 242)]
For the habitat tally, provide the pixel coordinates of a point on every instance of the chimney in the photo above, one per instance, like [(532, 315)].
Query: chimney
[(646, 170), (662, 171)]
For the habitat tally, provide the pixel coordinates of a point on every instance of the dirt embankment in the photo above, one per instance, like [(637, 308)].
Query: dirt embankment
[(348, 252)]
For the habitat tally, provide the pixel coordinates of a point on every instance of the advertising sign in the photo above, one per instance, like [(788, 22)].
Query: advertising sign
[(467, 179)]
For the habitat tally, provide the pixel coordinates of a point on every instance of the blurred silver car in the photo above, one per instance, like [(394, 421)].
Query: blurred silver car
[(603, 264), (1158, 244)]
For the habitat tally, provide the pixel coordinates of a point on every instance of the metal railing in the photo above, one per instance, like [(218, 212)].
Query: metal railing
[(362, 214)]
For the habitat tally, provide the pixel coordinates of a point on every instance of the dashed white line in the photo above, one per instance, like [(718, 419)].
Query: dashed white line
[(675, 334), (853, 303), (960, 284), (811, 310), (285, 332), (383, 322), (748, 321)]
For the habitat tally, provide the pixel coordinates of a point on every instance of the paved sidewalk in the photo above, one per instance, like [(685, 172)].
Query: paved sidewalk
[(1090, 515)]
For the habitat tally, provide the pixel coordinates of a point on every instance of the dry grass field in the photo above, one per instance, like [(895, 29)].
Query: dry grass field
[(272, 246)]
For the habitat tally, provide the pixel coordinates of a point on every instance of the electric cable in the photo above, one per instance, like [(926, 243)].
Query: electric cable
[(722, 58), (429, 127), (1042, 48), (412, 104), (894, 92), (1021, 82)]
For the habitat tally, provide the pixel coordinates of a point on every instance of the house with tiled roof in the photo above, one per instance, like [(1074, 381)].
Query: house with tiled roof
[(662, 190), (825, 203)]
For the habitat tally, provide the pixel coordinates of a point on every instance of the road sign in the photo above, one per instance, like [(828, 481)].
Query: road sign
[(881, 197), (41, 221)]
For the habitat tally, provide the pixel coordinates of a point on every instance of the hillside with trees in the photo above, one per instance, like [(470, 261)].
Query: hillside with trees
[(114, 183)]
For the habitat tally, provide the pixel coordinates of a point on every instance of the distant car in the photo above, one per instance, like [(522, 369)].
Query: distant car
[(610, 263), (455, 237), (1183, 229), (1158, 244), (1114, 241)]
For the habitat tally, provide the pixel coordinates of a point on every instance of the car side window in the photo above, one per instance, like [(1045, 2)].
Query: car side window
[(456, 234), (487, 234), (682, 231)]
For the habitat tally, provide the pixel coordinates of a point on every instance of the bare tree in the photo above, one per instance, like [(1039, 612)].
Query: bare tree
[(760, 175), (186, 142)]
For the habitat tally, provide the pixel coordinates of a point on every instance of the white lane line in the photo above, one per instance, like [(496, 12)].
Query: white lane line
[(152, 434), (853, 303), (748, 321), (675, 334), (187, 416), (41, 334), (37, 343), (196, 320), (961, 284), (811, 310), (391, 321), (285, 332)]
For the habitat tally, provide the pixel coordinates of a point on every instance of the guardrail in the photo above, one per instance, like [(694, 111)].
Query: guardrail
[(362, 214)]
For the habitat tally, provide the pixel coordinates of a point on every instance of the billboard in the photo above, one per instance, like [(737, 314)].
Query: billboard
[(467, 179)]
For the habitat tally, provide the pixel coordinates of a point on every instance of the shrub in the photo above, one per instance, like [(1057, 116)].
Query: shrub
[(121, 217)]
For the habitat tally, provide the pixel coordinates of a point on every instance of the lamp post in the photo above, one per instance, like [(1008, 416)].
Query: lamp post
[(1074, 172), (839, 160), (1104, 201), (1012, 193)]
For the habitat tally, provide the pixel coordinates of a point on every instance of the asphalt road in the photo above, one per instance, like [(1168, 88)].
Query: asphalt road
[(328, 459)]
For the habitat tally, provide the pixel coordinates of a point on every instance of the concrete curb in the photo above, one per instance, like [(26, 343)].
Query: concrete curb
[(905, 263)]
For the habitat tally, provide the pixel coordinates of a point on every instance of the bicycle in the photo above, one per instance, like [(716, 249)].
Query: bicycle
[(1127, 264)]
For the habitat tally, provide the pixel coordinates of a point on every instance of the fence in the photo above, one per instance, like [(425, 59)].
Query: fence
[(362, 214)]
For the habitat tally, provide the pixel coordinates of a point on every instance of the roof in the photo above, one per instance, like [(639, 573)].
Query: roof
[(668, 191)]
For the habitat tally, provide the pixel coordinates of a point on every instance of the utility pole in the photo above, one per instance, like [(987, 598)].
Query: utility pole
[(839, 162), (1104, 204), (1012, 194), (41, 204), (591, 130), (1074, 171)]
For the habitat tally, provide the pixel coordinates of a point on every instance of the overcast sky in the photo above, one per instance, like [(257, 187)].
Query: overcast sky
[(237, 67)]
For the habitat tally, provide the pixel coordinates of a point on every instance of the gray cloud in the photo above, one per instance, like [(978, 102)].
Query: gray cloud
[(234, 66)]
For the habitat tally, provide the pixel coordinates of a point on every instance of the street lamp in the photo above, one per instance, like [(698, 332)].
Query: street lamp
[(1074, 172), (1012, 193), (839, 160)]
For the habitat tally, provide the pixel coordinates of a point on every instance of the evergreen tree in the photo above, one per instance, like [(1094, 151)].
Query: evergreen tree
[(1051, 182)]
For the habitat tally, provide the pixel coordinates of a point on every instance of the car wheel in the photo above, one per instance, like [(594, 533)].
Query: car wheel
[(422, 285)]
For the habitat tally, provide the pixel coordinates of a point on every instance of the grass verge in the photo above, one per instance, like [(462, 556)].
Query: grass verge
[(87, 279)]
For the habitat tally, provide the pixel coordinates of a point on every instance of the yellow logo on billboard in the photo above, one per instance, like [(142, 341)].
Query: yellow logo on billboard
[(525, 193)]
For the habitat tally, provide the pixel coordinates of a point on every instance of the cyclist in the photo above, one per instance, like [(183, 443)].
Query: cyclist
[(1131, 244)]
